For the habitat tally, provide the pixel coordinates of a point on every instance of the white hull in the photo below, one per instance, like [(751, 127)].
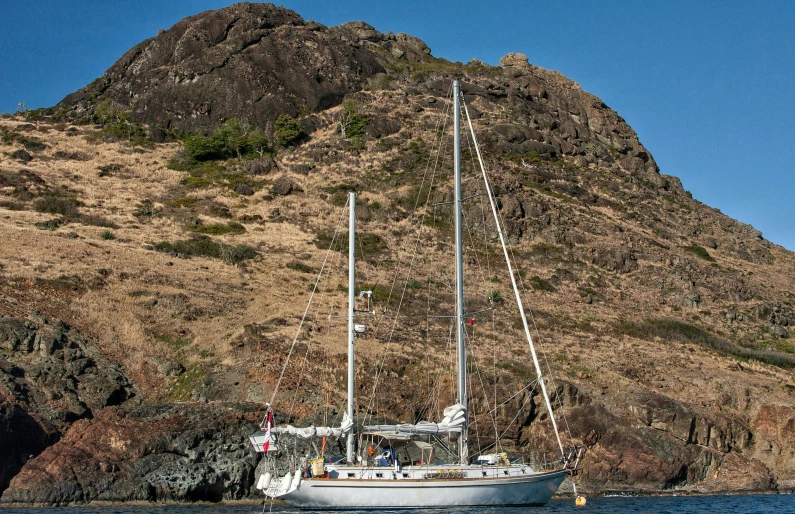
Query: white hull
[(532, 489)]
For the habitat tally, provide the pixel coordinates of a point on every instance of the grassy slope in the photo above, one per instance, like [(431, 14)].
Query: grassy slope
[(149, 310)]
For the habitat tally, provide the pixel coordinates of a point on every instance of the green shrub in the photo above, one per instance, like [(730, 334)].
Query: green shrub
[(95, 220), (205, 247), (339, 199), (368, 245), (300, 266), (699, 251), (495, 297), (351, 123), (66, 207), (146, 209), (219, 229), (31, 143), (107, 235), (176, 343), (214, 174), (49, 224), (413, 284), (117, 125), (539, 284), (205, 148), (286, 130), (675, 330), (234, 138)]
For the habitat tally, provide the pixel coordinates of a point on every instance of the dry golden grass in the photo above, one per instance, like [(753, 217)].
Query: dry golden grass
[(152, 308)]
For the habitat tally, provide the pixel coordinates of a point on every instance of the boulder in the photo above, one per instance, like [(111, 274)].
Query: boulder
[(244, 190), (261, 166), (283, 187), (514, 60), (157, 134), (21, 155)]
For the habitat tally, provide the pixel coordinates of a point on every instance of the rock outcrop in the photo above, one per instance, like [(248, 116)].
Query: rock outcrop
[(50, 377), (176, 452), (251, 61)]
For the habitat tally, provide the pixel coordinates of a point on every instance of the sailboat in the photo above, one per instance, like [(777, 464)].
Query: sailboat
[(395, 468)]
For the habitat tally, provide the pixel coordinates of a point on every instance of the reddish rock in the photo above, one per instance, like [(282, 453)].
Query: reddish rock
[(775, 438), (175, 452)]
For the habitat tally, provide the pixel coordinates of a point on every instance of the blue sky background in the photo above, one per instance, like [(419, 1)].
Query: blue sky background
[(708, 86)]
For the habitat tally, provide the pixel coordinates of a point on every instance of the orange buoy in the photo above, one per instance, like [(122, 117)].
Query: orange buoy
[(580, 501)]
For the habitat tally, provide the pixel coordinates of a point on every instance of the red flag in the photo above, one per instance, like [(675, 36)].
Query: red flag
[(269, 424), (471, 321)]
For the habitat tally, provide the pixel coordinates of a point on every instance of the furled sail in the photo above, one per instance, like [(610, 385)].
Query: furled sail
[(453, 422), (313, 431)]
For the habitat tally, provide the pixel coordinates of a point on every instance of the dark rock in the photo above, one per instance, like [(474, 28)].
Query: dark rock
[(22, 434), (693, 300), (381, 125), (157, 134), (414, 47), (72, 156), (208, 68), (261, 166), (167, 367), (244, 189), (21, 155), (50, 377), (662, 444), (176, 452), (283, 187), (622, 260), (779, 331)]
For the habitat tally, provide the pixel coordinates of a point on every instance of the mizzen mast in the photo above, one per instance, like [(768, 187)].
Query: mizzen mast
[(351, 327)]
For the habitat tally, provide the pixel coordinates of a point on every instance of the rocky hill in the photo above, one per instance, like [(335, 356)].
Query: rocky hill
[(162, 228)]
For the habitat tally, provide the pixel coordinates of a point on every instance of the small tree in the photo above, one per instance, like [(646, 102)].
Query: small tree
[(286, 130), (350, 122), (257, 142), (204, 148), (234, 134)]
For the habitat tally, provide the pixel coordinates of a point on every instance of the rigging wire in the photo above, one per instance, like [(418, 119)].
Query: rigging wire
[(483, 388), (306, 311), (530, 387), (379, 369), (518, 298), (558, 399)]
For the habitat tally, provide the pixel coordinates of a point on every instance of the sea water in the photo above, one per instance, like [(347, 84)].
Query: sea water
[(734, 504)]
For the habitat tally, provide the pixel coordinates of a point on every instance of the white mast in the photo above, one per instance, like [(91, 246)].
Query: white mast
[(463, 443), (351, 295)]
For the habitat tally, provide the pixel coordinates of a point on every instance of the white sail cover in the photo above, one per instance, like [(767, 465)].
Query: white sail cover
[(452, 423), (313, 431)]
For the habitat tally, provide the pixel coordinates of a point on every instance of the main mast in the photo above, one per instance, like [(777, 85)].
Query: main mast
[(463, 441), (351, 333)]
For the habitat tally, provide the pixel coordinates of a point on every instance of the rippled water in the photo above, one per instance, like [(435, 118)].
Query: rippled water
[(740, 504)]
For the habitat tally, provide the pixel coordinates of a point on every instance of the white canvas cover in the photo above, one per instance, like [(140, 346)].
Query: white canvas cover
[(313, 431), (452, 423)]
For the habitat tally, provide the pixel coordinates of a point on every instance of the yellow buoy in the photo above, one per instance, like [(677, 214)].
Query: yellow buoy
[(580, 501)]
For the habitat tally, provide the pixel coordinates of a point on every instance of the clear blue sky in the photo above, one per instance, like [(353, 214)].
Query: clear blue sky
[(708, 86)]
